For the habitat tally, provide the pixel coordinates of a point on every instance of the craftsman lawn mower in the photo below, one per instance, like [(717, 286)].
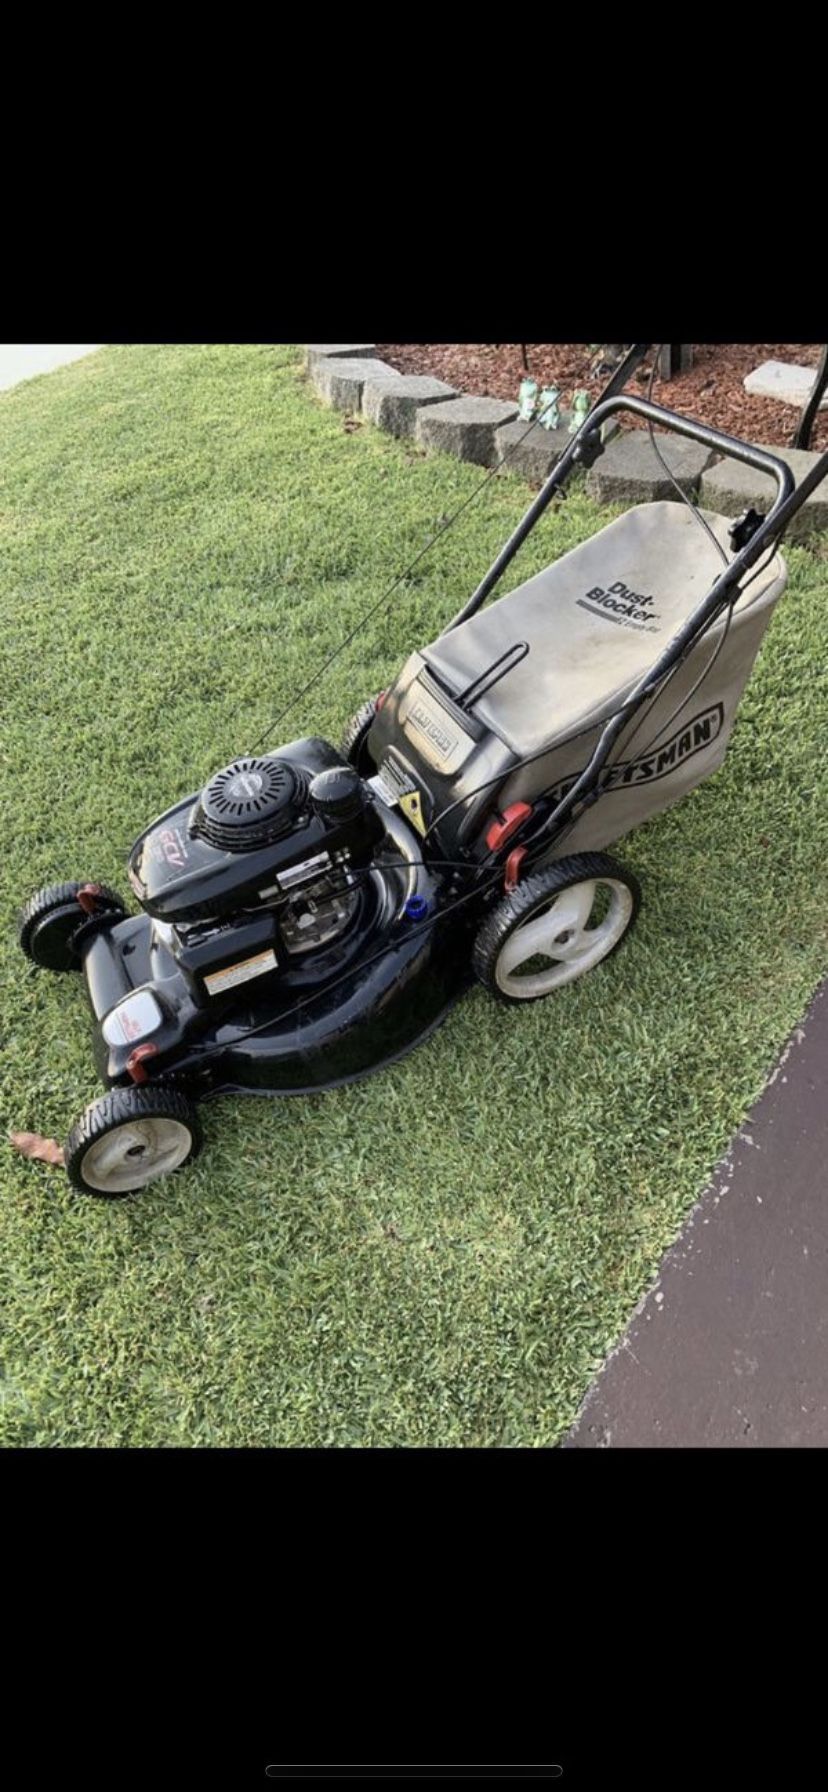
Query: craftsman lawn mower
[(313, 912)]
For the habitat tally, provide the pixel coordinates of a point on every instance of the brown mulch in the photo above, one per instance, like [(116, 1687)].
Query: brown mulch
[(712, 391)]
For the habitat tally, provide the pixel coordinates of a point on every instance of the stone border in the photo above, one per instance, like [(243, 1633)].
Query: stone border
[(349, 377)]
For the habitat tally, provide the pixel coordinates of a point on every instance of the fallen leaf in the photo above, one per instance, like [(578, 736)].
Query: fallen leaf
[(33, 1144)]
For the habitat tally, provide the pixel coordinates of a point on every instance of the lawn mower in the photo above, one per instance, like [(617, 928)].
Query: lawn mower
[(313, 912)]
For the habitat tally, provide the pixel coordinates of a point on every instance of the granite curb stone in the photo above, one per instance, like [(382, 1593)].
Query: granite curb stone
[(484, 430), (532, 450), (465, 427), (340, 381), (630, 471), (730, 487), (334, 351), (393, 405), (788, 385)]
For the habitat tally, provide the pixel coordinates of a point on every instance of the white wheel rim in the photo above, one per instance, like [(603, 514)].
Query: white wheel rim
[(560, 932), (134, 1154)]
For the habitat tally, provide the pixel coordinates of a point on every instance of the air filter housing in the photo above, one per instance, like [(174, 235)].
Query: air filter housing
[(250, 804)]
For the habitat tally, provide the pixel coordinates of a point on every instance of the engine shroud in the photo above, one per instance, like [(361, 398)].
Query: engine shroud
[(249, 804), (274, 967), (225, 849)]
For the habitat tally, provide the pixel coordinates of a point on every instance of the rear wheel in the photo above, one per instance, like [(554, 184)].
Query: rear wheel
[(353, 745), (52, 917), (555, 926), (129, 1138)]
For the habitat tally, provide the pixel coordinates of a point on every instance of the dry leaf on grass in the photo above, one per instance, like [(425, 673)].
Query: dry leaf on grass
[(33, 1144)]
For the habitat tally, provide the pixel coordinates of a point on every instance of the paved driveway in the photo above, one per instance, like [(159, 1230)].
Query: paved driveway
[(731, 1346), (22, 360)]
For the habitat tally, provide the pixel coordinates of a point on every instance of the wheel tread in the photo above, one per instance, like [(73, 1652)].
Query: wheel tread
[(54, 896), (352, 744)]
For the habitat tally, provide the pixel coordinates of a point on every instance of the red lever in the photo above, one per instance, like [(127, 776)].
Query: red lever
[(513, 865), (135, 1061), (88, 897), (506, 825)]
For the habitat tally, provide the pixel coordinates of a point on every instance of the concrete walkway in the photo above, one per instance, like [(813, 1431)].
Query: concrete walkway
[(731, 1346), (21, 361)]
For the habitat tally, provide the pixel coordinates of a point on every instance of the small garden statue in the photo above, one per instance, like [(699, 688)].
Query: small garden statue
[(550, 414), (527, 400), (580, 409)]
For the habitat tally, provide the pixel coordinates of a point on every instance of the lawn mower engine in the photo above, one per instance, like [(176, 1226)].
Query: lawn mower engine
[(280, 906), (269, 853)]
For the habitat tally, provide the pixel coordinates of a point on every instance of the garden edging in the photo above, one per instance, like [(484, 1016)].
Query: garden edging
[(349, 377)]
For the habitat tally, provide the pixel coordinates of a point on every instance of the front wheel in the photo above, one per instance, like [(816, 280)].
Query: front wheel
[(555, 926), (51, 918), (131, 1137)]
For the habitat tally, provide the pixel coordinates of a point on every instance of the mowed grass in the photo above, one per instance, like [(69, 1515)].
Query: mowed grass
[(440, 1255)]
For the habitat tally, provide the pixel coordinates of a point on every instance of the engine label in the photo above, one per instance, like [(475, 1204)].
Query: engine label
[(168, 845), (217, 981), (299, 874)]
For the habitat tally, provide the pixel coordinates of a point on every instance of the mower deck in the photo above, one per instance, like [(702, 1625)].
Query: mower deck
[(313, 1034)]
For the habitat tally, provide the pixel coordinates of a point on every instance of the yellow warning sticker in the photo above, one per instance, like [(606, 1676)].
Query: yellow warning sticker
[(240, 972), (412, 807)]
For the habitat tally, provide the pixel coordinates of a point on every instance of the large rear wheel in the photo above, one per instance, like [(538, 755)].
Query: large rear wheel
[(353, 745), (555, 926)]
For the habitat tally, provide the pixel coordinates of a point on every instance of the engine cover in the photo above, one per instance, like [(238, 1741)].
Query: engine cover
[(227, 849), (250, 804)]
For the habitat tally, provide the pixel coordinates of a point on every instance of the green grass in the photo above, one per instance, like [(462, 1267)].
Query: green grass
[(441, 1254)]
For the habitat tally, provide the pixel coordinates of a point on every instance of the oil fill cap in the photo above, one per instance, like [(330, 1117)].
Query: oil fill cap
[(338, 794)]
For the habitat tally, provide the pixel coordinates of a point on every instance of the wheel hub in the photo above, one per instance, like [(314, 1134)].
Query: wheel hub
[(566, 933), (134, 1154)]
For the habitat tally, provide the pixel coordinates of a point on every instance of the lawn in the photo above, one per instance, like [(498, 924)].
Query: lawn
[(440, 1255)]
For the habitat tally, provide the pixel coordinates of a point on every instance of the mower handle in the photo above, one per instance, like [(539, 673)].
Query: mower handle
[(585, 447), (759, 458)]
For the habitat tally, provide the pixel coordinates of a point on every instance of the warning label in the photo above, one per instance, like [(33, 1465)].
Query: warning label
[(412, 809), (217, 981)]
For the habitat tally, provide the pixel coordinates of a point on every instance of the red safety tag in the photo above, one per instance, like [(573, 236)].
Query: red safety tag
[(135, 1062), (88, 898), (513, 865)]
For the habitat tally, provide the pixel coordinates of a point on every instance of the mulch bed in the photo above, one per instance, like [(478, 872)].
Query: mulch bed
[(712, 391)]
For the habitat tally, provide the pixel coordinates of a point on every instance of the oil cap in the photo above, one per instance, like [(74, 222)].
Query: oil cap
[(338, 794)]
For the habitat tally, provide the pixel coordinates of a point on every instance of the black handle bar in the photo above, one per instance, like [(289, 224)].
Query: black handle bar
[(759, 458), (583, 449), (586, 446)]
